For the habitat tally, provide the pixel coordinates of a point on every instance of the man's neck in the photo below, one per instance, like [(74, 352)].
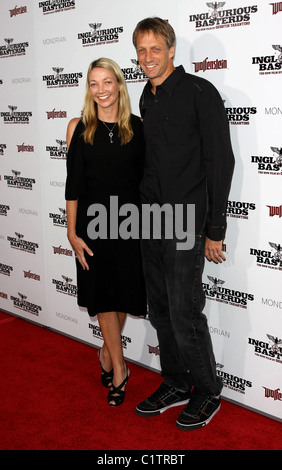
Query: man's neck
[(159, 80)]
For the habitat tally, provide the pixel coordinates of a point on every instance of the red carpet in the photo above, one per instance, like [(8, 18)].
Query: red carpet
[(52, 399)]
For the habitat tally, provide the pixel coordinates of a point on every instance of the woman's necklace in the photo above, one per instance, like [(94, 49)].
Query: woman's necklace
[(110, 131)]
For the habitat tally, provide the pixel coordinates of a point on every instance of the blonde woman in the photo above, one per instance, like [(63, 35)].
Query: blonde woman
[(105, 159)]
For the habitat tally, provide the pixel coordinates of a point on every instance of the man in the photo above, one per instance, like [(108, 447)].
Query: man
[(189, 161)]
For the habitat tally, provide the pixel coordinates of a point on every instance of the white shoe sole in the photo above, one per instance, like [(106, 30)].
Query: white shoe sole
[(158, 412), (190, 427)]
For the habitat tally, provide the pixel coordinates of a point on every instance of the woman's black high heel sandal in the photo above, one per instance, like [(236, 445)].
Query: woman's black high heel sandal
[(106, 377), (116, 395)]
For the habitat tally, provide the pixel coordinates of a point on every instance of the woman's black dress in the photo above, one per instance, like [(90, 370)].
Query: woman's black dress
[(96, 172)]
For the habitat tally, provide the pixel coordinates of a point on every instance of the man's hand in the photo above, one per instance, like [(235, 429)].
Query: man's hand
[(213, 251)]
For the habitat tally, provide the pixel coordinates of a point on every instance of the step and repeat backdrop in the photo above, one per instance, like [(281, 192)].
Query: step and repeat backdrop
[(45, 49)]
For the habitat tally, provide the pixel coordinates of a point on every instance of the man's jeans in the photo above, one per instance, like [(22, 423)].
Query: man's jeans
[(176, 299)]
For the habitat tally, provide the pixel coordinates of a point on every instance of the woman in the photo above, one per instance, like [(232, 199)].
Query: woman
[(105, 158)]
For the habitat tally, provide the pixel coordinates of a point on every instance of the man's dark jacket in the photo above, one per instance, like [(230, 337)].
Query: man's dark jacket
[(189, 158)]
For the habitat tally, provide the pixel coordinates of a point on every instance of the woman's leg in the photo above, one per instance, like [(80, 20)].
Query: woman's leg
[(105, 356), (111, 324)]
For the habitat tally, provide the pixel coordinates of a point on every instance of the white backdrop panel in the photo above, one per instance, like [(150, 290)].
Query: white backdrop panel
[(232, 46)]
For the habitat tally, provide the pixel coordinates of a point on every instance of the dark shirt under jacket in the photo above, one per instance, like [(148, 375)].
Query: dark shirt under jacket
[(189, 158)]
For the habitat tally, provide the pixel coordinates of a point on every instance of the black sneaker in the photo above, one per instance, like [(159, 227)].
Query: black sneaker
[(165, 397), (199, 411)]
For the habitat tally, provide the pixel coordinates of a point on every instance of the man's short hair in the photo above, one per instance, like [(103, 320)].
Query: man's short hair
[(158, 27)]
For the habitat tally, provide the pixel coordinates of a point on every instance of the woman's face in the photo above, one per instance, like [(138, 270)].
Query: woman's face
[(104, 88)]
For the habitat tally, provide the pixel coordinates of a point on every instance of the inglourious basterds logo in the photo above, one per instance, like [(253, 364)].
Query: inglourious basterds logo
[(58, 79), (271, 63), (231, 381), (56, 6), (2, 148), (218, 16), (65, 286), (19, 182), (19, 243), (59, 151), (239, 210), (5, 269), (98, 36), (21, 303), (4, 208), (15, 117), (271, 349), (269, 165), (214, 290), (269, 257), (12, 49), (240, 115), (59, 218), (97, 333), (134, 73)]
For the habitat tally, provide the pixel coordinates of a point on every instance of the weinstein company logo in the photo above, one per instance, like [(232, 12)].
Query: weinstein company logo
[(269, 64), (214, 290), (62, 80), (18, 182), (98, 37), (217, 18), (269, 259), (233, 382), (271, 350), (23, 304), (18, 243), (12, 49), (57, 152), (269, 165), (15, 117), (56, 6), (209, 65)]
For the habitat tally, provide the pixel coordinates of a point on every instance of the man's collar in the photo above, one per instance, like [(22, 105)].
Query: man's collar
[(170, 82)]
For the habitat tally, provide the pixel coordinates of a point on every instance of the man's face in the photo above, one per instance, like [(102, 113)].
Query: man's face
[(154, 57)]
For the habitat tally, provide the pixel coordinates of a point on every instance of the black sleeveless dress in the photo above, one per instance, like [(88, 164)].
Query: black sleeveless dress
[(100, 174)]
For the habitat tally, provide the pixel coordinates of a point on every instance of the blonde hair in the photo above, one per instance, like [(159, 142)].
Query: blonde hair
[(89, 111)]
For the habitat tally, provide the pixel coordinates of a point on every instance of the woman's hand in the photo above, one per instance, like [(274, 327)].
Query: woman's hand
[(79, 246)]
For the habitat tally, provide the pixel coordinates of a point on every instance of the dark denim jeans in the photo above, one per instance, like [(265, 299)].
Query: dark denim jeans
[(176, 300)]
